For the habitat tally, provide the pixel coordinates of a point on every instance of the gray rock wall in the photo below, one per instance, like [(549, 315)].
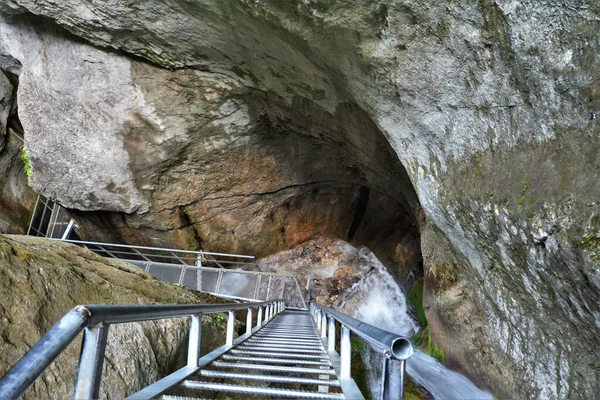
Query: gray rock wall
[(490, 106)]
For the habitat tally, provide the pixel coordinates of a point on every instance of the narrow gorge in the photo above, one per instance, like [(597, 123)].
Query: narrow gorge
[(434, 166)]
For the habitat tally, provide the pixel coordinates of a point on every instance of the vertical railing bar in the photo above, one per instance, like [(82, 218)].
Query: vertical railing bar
[(41, 224), (345, 353), (259, 317), (219, 279), (230, 326), (91, 360), (249, 321), (257, 286), (199, 280), (331, 334), (195, 340), (282, 288), (182, 275), (53, 219), (65, 235), (37, 201), (393, 374), (299, 291), (269, 287)]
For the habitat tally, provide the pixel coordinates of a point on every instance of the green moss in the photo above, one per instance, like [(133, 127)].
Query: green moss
[(521, 200), (591, 243), (445, 276), (26, 164), (412, 391), (415, 297), (358, 344), (434, 351)]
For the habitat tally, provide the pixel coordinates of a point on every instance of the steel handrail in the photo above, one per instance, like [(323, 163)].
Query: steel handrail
[(391, 344), (396, 348), (155, 248), (95, 320)]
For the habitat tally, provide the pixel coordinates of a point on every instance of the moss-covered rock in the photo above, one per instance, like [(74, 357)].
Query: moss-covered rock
[(40, 280)]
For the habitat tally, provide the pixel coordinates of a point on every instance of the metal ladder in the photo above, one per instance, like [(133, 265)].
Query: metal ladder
[(286, 358)]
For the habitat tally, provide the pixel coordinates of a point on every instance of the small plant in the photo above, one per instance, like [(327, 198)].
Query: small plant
[(219, 318), (445, 276), (26, 163), (434, 351), (179, 285)]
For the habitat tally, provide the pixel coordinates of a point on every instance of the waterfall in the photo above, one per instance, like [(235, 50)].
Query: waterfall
[(378, 300)]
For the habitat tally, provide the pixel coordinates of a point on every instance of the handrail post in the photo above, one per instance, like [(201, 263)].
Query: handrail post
[(195, 340), (249, 321), (323, 325), (89, 373), (259, 317), (266, 315), (318, 318), (393, 379), (331, 334), (230, 325), (345, 353)]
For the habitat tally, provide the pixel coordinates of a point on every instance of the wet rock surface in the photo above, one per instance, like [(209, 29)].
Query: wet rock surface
[(42, 280), (491, 107)]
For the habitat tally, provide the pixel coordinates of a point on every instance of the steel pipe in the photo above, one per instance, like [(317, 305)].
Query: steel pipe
[(133, 313), (391, 344), (35, 361), (155, 248), (96, 319)]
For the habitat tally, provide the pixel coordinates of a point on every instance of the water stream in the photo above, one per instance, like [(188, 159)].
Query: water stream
[(378, 300)]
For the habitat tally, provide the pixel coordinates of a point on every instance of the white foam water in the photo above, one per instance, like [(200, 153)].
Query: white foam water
[(378, 300)]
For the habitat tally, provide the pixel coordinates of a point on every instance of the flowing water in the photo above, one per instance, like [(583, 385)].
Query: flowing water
[(378, 300)]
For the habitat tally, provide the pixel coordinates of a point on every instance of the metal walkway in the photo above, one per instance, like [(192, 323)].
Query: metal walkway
[(284, 353), (286, 358)]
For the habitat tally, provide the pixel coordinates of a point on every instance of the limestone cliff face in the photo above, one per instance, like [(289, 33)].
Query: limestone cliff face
[(42, 280), (482, 113), (16, 197)]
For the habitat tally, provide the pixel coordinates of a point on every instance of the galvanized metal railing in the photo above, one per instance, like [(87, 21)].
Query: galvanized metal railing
[(163, 255), (396, 349), (95, 321), (193, 270), (50, 220)]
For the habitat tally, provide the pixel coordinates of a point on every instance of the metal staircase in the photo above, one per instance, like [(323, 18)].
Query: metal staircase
[(285, 353), (284, 359)]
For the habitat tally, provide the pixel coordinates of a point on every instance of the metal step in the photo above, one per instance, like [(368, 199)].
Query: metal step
[(285, 349), (285, 340), (268, 378), (279, 354), (275, 360), (287, 345), (257, 390), (277, 368)]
